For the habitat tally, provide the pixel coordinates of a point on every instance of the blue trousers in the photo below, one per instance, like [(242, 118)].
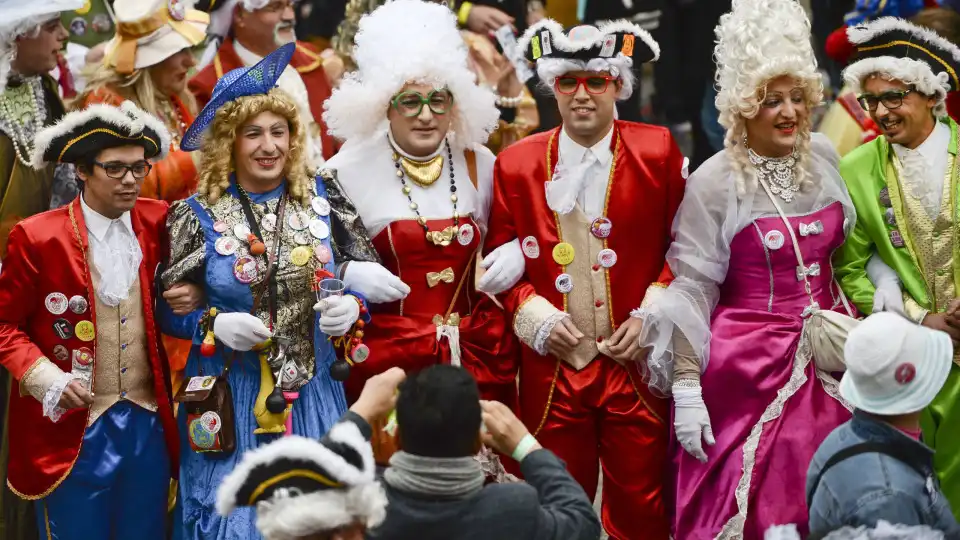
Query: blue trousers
[(118, 488)]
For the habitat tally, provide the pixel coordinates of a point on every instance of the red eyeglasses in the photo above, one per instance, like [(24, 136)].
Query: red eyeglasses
[(594, 84)]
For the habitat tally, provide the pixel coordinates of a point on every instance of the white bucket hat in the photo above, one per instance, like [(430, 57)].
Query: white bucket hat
[(150, 31), (894, 366)]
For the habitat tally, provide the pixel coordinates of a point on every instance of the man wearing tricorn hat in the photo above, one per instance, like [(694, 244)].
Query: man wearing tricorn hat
[(92, 434), (905, 189), (594, 236)]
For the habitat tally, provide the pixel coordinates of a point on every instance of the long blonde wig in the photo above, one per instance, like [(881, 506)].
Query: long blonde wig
[(217, 160), (137, 87), (758, 42)]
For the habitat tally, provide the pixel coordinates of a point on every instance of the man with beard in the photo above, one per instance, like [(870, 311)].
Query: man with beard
[(252, 29), (904, 187)]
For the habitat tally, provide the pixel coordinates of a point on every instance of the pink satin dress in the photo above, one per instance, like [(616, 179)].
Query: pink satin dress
[(769, 407)]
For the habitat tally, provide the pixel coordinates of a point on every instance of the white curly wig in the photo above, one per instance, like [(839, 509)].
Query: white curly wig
[(409, 41), (19, 18), (757, 42), (909, 71)]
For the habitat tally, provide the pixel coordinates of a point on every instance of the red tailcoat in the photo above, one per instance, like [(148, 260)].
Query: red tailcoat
[(307, 63), (48, 253)]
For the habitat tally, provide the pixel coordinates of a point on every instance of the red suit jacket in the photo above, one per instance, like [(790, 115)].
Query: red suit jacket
[(307, 63), (47, 253), (644, 193)]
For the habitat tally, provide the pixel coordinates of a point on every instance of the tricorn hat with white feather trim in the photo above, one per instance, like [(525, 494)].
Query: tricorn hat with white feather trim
[(904, 51), (300, 486), (84, 133)]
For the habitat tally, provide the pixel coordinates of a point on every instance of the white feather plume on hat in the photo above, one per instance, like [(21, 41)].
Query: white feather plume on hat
[(409, 41)]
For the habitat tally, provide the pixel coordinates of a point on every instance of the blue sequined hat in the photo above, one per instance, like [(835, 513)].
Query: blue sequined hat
[(240, 82)]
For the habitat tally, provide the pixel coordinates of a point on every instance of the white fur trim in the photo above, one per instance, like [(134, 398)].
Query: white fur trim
[(866, 32), (297, 448), (348, 434), (295, 517), (909, 71), (152, 122), (409, 41), (563, 42), (128, 118)]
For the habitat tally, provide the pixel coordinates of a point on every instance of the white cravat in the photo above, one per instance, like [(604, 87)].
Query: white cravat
[(925, 167), (116, 253), (581, 176), (291, 83)]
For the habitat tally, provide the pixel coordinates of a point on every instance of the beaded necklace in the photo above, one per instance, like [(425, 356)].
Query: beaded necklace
[(441, 238), (22, 133)]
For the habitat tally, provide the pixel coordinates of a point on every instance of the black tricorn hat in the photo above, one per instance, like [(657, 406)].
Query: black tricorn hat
[(86, 132), (548, 39)]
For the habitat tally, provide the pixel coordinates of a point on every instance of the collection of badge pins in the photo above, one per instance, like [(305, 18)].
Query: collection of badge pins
[(564, 253), (58, 304)]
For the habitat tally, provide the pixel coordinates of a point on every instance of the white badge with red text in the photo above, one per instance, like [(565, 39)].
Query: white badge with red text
[(531, 248)]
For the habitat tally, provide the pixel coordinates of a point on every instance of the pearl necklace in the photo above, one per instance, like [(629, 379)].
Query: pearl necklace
[(174, 122), (22, 134), (779, 173)]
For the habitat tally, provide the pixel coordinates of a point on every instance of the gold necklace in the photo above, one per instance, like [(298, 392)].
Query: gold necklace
[(423, 173)]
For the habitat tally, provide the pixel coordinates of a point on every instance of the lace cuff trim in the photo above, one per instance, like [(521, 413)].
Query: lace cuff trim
[(51, 400), (540, 343), (39, 377), (530, 318)]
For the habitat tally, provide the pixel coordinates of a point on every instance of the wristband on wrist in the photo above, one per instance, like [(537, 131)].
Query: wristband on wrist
[(524, 447), (464, 13)]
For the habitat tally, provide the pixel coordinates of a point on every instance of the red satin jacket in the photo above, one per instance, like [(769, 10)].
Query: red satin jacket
[(307, 63), (47, 253)]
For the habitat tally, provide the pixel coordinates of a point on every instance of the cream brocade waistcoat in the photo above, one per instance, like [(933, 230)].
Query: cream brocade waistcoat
[(121, 367), (587, 302)]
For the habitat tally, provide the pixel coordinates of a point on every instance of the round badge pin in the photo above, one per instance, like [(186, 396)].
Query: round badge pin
[(60, 353), (319, 229), (241, 231), (322, 253), (563, 253), (905, 373), (101, 23), (298, 221), (63, 329), (607, 258), (78, 26), (773, 239), (300, 255), (85, 331), (601, 227), (269, 222), (301, 238), (83, 356), (564, 283), (531, 248), (211, 422), (199, 436), (360, 353), (220, 226), (56, 303), (178, 11), (226, 245), (245, 269), (465, 234), (321, 206), (78, 304)]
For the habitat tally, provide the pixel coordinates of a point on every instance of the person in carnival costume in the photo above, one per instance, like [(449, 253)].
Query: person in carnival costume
[(592, 203), (754, 235), (92, 433), (258, 236), (413, 161), (905, 188)]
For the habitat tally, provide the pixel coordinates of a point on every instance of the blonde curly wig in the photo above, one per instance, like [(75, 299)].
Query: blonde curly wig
[(757, 42), (217, 161)]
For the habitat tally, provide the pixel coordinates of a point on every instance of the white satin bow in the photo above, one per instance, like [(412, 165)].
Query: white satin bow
[(567, 183), (807, 229)]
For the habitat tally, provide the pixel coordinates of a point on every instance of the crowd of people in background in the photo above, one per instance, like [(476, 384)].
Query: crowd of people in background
[(488, 269)]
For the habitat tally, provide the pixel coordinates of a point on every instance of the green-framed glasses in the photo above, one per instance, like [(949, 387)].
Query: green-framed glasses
[(410, 104)]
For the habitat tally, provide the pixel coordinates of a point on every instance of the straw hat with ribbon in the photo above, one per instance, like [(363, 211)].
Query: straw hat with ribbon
[(150, 31)]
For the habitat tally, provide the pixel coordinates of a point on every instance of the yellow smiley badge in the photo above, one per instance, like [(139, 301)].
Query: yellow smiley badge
[(85, 331), (300, 255), (563, 253)]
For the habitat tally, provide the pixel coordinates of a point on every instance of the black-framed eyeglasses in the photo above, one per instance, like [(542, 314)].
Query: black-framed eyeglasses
[(891, 100), (117, 170), (410, 104)]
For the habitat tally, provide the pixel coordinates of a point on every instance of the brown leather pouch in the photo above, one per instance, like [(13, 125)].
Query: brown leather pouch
[(208, 404)]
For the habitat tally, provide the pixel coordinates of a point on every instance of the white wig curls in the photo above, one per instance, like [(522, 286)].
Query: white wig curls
[(409, 41), (757, 42)]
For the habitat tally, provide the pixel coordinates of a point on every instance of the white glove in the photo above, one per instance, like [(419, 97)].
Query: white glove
[(377, 284), (240, 331), (337, 314), (691, 421), (888, 296), (504, 267)]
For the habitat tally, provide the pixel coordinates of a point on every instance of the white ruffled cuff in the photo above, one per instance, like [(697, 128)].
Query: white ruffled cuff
[(540, 342), (51, 400), (530, 319)]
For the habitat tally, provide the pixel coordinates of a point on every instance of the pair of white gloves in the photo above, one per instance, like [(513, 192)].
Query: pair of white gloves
[(243, 331), (692, 420)]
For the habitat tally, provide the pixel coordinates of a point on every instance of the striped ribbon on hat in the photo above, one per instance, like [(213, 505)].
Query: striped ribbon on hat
[(123, 57)]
